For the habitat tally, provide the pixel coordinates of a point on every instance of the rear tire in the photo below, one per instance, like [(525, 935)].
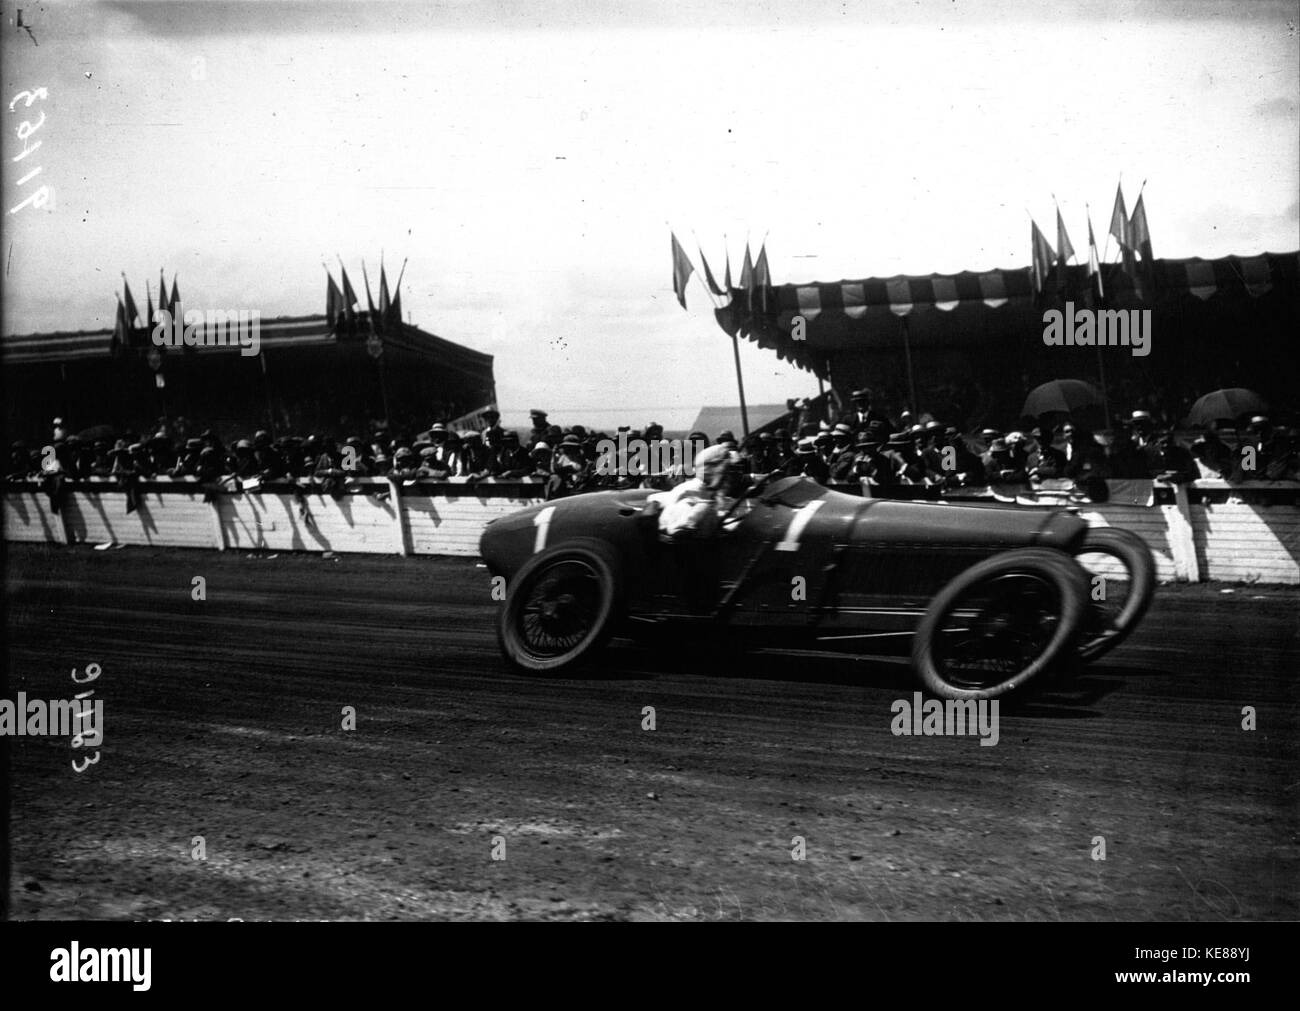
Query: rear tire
[(1105, 628), (560, 607), (1000, 624)]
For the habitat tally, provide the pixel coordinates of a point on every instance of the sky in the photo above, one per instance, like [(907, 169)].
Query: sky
[(530, 160)]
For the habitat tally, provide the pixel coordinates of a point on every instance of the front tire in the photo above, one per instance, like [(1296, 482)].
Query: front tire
[(1109, 623), (1000, 624), (560, 608)]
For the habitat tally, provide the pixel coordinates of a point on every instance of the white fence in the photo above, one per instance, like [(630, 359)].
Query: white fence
[(1207, 531)]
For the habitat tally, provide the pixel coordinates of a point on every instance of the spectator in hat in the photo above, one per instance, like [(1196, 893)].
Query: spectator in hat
[(161, 452), (541, 458), (268, 461), (863, 412), (1213, 458), (872, 462), (241, 463), (1085, 459), (901, 449), (966, 467), (1142, 428), (1043, 461), (568, 468), (843, 453), (999, 467), (188, 464), (540, 429), (807, 462), (1170, 462), (474, 463), (510, 460), (1124, 459), (492, 430), (405, 464), (209, 466), (101, 462), (726, 438)]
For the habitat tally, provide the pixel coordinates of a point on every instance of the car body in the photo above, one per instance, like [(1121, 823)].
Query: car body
[(805, 565)]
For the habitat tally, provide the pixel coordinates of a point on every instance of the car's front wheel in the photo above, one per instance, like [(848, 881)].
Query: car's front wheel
[(1000, 624), (560, 608), (1123, 577)]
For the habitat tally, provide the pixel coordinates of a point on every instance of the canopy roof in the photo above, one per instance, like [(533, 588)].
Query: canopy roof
[(955, 309), (279, 334)]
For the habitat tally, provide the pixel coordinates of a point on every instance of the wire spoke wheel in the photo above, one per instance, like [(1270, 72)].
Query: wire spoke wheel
[(996, 629), (1000, 624), (560, 607)]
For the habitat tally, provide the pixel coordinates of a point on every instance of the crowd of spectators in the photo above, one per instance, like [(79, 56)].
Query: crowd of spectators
[(857, 442)]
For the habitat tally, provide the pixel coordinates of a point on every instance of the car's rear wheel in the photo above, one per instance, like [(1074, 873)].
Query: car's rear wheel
[(1122, 575), (1000, 624), (560, 608)]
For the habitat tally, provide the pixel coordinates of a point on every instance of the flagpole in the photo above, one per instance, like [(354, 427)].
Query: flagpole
[(911, 380), (740, 383)]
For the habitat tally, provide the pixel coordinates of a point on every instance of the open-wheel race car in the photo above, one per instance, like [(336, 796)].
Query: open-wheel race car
[(992, 596)]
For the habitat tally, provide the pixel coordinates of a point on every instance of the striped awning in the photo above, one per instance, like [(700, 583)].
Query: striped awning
[(836, 315)]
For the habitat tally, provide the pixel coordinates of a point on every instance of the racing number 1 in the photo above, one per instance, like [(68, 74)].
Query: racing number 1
[(542, 521), (800, 520)]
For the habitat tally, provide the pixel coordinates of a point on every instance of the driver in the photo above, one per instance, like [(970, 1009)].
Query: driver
[(695, 508)]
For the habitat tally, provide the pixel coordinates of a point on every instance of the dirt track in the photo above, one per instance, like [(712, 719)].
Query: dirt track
[(222, 720)]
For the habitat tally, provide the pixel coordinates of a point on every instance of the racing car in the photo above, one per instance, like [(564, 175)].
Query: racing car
[(992, 596)]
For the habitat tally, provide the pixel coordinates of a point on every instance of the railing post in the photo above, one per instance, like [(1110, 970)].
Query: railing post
[(401, 527), (1182, 541), (218, 531)]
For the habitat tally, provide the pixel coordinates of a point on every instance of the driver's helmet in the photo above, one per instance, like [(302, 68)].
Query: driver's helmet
[(711, 465)]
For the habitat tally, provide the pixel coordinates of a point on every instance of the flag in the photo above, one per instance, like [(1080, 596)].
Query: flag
[(397, 296), (175, 298), (349, 296), (1138, 231), (762, 276), (1140, 236), (162, 291), (1041, 255), (747, 278), (131, 312), (385, 302), (148, 323), (121, 330), (1094, 260), (727, 279), (1064, 248), (333, 301), (1119, 220), (708, 274), (369, 302), (682, 271)]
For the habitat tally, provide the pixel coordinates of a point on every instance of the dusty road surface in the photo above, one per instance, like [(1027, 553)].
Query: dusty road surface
[(227, 787)]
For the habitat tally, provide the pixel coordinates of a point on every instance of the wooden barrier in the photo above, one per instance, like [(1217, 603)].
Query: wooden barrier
[(1204, 531)]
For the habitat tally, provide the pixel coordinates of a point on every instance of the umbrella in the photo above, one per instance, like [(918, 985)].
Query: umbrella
[(1226, 405), (1060, 395)]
